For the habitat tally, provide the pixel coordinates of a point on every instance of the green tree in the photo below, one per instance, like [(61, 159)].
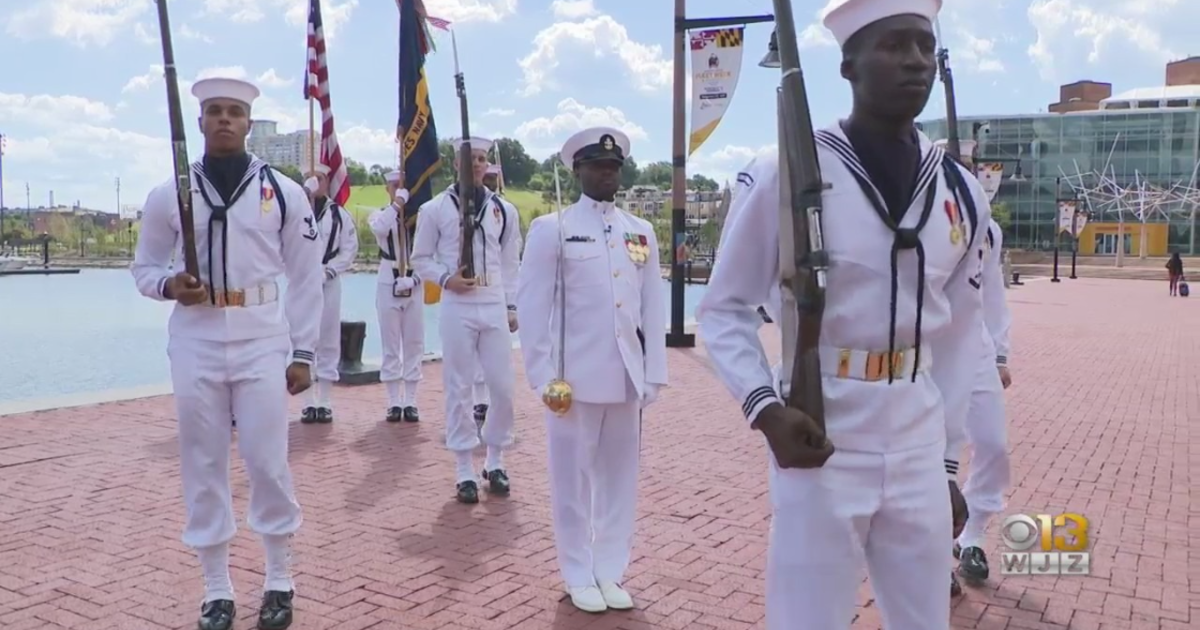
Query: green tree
[(446, 173), (701, 183), (657, 174), (357, 173), (518, 167), (292, 173), (1001, 214), (629, 174)]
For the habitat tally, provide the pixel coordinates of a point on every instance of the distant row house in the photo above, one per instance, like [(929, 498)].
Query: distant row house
[(650, 201)]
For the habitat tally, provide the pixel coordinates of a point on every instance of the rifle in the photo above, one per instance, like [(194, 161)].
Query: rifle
[(466, 174), (183, 167), (947, 77), (803, 259), (400, 265)]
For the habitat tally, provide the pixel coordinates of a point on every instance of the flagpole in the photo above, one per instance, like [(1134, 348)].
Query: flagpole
[(499, 165)]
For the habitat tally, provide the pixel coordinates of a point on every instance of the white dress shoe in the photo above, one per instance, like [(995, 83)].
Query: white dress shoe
[(615, 596), (587, 599)]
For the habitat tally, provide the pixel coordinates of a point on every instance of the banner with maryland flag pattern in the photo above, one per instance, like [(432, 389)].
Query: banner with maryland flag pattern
[(716, 64)]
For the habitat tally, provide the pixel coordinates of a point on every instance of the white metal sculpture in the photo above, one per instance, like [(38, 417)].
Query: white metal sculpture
[(1102, 194)]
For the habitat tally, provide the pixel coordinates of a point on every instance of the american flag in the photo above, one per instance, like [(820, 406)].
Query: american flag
[(316, 85), (437, 22)]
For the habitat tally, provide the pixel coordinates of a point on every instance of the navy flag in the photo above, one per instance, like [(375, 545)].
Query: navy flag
[(418, 134)]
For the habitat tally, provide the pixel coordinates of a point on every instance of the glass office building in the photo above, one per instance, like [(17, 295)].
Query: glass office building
[(1150, 135)]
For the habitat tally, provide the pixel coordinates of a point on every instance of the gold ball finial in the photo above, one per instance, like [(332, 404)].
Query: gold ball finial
[(557, 396)]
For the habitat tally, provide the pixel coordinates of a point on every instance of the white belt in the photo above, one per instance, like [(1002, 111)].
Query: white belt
[(865, 365), (238, 298)]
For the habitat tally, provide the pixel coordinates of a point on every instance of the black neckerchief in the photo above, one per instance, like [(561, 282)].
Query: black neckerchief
[(886, 175), (319, 206), (227, 176)]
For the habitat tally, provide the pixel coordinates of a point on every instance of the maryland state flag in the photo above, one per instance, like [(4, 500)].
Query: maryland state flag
[(418, 134)]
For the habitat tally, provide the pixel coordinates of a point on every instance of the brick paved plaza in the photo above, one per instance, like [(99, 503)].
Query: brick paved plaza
[(90, 514)]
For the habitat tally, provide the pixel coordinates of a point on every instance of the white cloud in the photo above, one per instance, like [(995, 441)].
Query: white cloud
[(471, 10), (573, 9), (65, 136), (1078, 33), (503, 113), (724, 163), (187, 32), (369, 146), (544, 136), (82, 22), (295, 12), (603, 36), (144, 81), (979, 54), (272, 80)]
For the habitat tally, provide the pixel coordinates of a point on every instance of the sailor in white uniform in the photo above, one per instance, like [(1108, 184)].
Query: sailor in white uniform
[(615, 361), (899, 345), (491, 179), (986, 425), (233, 350), (339, 238), (477, 318), (399, 303)]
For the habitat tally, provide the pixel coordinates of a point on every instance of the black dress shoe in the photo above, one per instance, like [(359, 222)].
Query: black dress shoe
[(395, 414), (973, 565), (324, 415), (955, 587), (411, 415), (467, 492), (497, 482), (480, 414), (276, 611), (217, 615), (310, 415)]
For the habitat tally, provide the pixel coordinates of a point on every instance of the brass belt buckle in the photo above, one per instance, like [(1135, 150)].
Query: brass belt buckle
[(236, 298), (876, 364)]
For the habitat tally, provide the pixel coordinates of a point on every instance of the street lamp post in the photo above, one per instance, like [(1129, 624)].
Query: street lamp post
[(677, 338), (2, 241)]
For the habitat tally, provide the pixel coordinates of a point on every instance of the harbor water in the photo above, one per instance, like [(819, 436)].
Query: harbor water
[(92, 332)]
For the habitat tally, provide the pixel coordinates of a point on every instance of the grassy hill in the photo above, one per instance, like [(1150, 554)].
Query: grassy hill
[(364, 199)]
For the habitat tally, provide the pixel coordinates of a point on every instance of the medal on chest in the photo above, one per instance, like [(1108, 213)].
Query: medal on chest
[(957, 229), (266, 197), (637, 247)]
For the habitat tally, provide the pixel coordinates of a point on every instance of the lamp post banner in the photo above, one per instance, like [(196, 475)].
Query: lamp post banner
[(989, 175), (1066, 216), (716, 64)]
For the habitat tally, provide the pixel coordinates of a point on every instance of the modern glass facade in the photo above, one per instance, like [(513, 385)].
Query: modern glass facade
[(1160, 145)]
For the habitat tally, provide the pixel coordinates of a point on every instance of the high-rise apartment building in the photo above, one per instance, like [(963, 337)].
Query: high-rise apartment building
[(279, 149)]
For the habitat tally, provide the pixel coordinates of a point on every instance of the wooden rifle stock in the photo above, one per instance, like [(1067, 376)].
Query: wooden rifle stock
[(803, 258), (179, 156), (466, 184)]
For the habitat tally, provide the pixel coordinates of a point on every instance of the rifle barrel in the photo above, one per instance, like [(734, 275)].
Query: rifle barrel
[(179, 156)]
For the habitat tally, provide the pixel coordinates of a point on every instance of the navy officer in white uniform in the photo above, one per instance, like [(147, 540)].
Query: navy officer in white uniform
[(615, 361), (477, 318), (339, 240), (233, 350), (899, 344)]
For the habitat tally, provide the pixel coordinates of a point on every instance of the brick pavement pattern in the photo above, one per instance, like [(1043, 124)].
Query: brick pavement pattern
[(90, 514)]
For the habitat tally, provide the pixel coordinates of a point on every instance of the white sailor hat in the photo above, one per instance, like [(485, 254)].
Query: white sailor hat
[(965, 147), (321, 169), (850, 16), (477, 144), (596, 143), (392, 176), (217, 87), (493, 169)]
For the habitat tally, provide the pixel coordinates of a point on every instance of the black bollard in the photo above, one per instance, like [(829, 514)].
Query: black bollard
[(1055, 278), (351, 368), (45, 250), (1017, 278)]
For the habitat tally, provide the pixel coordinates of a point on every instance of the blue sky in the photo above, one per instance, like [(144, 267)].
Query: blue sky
[(83, 103)]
